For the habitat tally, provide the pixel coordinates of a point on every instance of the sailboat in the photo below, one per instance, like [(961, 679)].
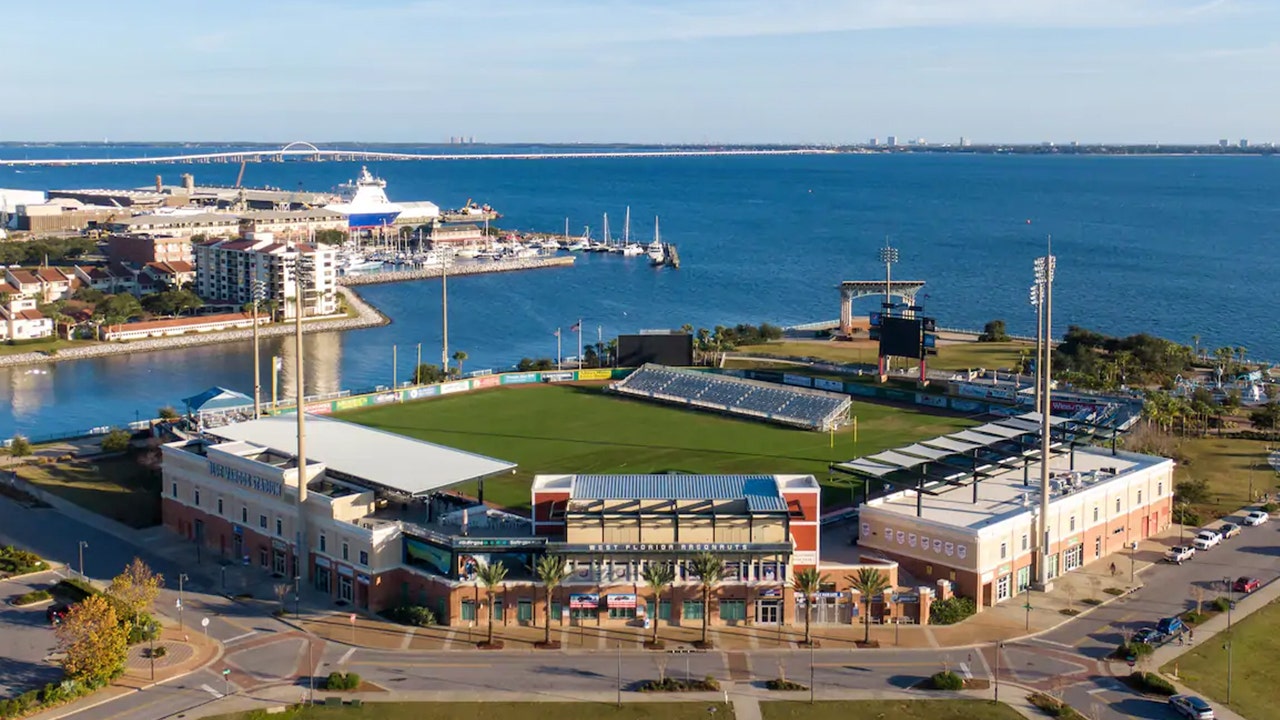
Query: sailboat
[(657, 253), (629, 249)]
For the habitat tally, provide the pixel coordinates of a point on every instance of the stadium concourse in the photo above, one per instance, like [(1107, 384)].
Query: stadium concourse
[(798, 407)]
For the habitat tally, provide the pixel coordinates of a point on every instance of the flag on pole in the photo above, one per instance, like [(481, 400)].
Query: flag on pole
[(557, 332), (577, 327)]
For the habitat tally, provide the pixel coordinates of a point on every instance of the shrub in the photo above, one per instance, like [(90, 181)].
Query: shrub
[(945, 680), (1054, 707), (670, 684), (140, 628), (1114, 591), (116, 441), (19, 446), (1091, 601), (1194, 491), (342, 681), (160, 652), (1135, 649), (1191, 617), (1183, 515), (1221, 604), (34, 596), (415, 615), (1150, 683), (784, 684), (75, 589), (1270, 507), (19, 562), (952, 610)]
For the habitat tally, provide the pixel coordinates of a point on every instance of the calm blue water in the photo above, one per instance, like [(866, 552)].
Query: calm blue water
[(1174, 246)]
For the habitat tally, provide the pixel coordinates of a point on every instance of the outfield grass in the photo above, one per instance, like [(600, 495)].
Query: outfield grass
[(1226, 464), (117, 488), (499, 711), (1255, 647), (575, 429), (955, 356), (889, 710)]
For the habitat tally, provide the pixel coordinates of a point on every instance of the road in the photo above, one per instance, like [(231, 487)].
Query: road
[(262, 652)]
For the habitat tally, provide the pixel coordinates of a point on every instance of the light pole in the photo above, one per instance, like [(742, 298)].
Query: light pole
[(444, 315), (1231, 600), (297, 594), (182, 578), (301, 266), (619, 674), (257, 290), (999, 650), (83, 544), (311, 671), (1037, 295), (1044, 273), (151, 651), (811, 671), (888, 255), (1133, 550)]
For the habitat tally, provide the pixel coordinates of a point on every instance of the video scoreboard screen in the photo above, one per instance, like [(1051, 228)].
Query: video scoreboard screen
[(675, 349)]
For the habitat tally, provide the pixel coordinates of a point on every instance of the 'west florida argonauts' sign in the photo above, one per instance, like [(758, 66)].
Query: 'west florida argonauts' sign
[(246, 479)]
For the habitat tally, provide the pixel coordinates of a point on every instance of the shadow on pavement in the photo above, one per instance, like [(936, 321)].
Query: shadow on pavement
[(18, 676), (1143, 708), (904, 682)]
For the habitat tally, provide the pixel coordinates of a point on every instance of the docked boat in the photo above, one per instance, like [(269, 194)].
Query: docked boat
[(656, 252), (628, 248), (364, 202), (468, 253)]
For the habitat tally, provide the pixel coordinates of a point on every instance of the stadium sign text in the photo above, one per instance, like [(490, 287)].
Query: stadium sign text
[(670, 547), (246, 479)]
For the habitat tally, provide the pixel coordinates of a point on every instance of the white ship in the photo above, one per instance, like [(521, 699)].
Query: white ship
[(365, 203)]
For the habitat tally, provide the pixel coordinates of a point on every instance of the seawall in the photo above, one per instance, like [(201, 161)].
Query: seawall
[(436, 271)]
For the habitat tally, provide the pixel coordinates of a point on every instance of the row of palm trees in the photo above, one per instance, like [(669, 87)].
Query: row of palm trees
[(553, 570)]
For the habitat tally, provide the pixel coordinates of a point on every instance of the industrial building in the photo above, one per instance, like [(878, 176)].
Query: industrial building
[(965, 507)]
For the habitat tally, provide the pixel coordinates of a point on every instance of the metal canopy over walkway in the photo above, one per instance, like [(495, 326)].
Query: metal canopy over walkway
[(851, 290)]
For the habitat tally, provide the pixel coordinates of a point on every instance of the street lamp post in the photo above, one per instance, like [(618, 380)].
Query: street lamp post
[(619, 674), (1044, 274), (182, 578), (83, 544), (1227, 647), (297, 594), (810, 672), (999, 650), (151, 651), (1133, 550), (1231, 600)]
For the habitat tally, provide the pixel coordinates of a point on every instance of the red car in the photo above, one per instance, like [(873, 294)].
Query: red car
[(1246, 585)]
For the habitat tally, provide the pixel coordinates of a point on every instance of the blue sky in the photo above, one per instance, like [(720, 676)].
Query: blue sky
[(644, 70)]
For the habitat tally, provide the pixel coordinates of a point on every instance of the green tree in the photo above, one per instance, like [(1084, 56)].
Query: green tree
[(994, 331), (710, 571), (491, 576), (95, 642), (808, 582), (551, 570), (426, 374), (167, 413), (658, 576), (869, 582), (117, 309), (136, 588), (460, 357), (611, 346), (117, 441), (590, 358), (19, 446)]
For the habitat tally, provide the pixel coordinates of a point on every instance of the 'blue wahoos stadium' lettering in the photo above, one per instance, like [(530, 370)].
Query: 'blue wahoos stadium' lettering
[(240, 477)]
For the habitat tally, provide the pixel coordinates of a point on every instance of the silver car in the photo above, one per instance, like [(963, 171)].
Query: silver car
[(1192, 707)]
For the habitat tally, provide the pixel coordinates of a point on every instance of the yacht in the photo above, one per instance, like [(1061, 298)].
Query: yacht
[(629, 248), (656, 252)]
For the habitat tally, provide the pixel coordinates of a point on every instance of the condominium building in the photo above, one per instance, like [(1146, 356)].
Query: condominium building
[(227, 270)]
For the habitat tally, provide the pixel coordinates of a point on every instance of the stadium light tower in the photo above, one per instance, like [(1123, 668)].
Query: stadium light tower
[(888, 256), (1037, 293), (1044, 272), (301, 266)]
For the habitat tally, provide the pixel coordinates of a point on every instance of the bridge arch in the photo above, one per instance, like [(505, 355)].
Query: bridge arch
[(298, 146)]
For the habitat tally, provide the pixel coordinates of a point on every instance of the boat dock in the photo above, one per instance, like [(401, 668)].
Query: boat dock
[(671, 258), (456, 269)]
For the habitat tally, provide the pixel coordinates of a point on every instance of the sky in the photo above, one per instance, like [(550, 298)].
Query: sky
[(701, 71)]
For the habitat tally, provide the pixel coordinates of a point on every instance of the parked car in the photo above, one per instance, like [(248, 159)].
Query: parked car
[(1256, 517), (55, 614), (1171, 626), (1146, 636), (1179, 554), (1228, 530), (1206, 539), (1246, 584), (1192, 707)]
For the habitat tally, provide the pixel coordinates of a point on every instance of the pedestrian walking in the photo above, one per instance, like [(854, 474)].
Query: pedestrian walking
[(1113, 569)]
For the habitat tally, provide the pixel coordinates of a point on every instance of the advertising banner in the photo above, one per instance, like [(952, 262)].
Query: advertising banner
[(621, 600), (965, 405), (801, 380), (351, 403), (384, 398), (419, 393), (860, 389), (321, 408), (937, 401), (825, 384), (519, 378), (1000, 394), (485, 381), (604, 374), (591, 602), (456, 386), (970, 391), (566, 376)]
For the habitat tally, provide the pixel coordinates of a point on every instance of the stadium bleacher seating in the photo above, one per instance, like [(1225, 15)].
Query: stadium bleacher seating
[(813, 409)]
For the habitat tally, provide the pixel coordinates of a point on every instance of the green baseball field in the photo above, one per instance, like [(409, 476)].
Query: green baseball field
[(582, 429)]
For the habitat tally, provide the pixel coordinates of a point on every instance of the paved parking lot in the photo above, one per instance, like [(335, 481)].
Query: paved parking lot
[(28, 639)]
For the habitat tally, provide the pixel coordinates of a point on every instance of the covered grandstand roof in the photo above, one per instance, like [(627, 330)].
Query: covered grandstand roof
[(215, 399), (760, 491)]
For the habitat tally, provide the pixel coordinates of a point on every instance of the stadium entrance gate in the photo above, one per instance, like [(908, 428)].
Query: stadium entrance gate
[(829, 608)]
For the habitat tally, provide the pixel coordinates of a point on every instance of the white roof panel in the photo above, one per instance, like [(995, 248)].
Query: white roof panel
[(999, 430), (867, 467), (890, 457), (949, 443), (925, 451), (393, 461)]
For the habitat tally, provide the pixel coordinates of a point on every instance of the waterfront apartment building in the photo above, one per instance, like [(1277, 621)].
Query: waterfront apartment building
[(226, 270), (384, 530), (136, 250), (976, 526)]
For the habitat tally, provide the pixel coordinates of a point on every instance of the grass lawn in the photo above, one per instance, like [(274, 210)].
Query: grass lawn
[(117, 488), (956, 356), (499, 711), (43, 346), (1255, 647), (575, 429), (1225, 464), (889, 710)]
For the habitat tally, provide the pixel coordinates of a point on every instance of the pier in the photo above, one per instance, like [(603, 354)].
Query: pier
[(476, 268)]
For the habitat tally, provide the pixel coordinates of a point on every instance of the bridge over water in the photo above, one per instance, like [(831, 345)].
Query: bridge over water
[(306, 152)]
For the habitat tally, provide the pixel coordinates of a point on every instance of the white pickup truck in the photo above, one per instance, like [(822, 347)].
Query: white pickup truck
[(1179, 553)]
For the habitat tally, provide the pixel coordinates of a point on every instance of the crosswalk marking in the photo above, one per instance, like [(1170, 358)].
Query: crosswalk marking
[(211, 691), (964, 670), (346, 656)]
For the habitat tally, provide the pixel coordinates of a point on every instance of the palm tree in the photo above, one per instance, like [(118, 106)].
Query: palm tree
[(658, 576), (807, 582), (710, 571), (1195, 340), (612, 347), (491, 576), (551, 570), (460, 357), (868, 582)]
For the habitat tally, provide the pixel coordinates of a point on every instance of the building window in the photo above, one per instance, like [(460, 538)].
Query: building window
[(1072, 524), (1095, 513), (346, 552), (262, 557), (733, 610), (279, 527), (1139, 497), (322, 543), (244, 515), (1024, 542), (692, 610), (196, 492), (262, 521), (219, 506), (1117, 505), (1159, 489), (468, 610), (364, 557), (1004, 550), (173, 489), (622, 613)]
